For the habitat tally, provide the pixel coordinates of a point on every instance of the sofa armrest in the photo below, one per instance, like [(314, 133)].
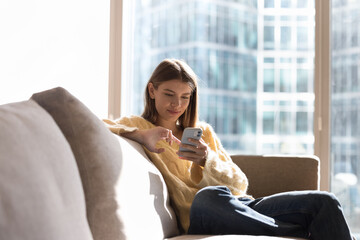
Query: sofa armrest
[(268, 175)]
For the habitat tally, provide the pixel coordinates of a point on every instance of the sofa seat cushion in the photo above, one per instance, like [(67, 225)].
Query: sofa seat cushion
[(100, 156), (41, 196), (230, 237)]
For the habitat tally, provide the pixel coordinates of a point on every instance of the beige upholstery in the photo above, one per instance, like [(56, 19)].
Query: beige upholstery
[(117, 180), (41, 196), (47, 180), (274, 174)]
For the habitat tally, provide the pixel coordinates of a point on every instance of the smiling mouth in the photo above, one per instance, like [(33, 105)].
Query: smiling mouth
[(173, 112)]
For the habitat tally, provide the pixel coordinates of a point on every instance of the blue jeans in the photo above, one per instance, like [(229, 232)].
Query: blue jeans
[(305, 214)]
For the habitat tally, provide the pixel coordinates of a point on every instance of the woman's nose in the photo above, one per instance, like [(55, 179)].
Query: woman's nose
[(176, 102)]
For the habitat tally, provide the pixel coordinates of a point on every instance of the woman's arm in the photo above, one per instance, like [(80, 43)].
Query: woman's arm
[(150, 137), (141, 131)]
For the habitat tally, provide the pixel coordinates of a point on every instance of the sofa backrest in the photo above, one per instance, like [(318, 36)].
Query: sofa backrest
[(268, 175), (41, 195), (126, 197)]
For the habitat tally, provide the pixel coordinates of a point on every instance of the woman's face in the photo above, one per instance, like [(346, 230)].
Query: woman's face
[(171, 99)]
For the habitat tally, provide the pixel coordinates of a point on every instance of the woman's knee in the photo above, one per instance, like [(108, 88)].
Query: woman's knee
[(327, 196), (211, 191), (328, 199), (210, 197)]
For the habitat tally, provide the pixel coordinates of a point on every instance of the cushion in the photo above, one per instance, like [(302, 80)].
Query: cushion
[(101, 156), (41, 196)]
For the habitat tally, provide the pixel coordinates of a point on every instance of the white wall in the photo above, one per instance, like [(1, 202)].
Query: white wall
[(50, 43)]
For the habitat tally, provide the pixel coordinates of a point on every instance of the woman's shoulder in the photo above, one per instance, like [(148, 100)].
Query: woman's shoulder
[(206, 127), (134, 120), (203, 125)]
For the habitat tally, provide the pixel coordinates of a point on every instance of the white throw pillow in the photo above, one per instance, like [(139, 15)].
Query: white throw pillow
[(41, 195)]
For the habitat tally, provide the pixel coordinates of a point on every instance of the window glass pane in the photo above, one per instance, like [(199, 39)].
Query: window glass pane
[(345, 108), (286, 3), (302, 3), (243, 53), (269, 80), (302, 38), (268, 122), (285, 37), (269, 3), (285, 80), (301, 123), (285, 123), (302, 80), (269, 38), (268, 60)]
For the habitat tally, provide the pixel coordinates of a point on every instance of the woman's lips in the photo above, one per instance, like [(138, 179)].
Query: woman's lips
[(172, 112)]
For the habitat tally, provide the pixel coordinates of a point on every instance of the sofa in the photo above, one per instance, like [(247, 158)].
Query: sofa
[(64, 175)]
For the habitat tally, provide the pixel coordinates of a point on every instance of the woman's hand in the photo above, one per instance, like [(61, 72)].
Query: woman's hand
[(150, 137), (198, 154)]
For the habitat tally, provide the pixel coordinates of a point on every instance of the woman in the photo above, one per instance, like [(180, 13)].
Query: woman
[(207, 190)]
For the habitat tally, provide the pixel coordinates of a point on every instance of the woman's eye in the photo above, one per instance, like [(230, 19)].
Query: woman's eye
[(185, 97), (168, 94)]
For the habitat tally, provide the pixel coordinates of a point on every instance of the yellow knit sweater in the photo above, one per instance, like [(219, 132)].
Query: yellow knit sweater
[(184, 178)]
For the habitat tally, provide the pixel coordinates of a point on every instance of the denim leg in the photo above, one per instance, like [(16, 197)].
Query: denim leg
[(318, 212), (216, 211)]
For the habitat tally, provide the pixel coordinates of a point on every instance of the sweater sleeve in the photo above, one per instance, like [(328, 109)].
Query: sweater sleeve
[(123, 125), (219, 169)]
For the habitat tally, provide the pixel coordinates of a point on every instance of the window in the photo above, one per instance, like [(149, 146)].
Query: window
[(255, 61), (345, 110)]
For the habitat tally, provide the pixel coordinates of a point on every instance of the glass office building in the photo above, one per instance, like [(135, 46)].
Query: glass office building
[(345, 125), (254, 62)]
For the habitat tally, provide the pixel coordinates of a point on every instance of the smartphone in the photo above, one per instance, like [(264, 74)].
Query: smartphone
[(189, 132)]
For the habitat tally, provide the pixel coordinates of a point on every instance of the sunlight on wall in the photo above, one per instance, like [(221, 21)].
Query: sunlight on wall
[(47, 43)]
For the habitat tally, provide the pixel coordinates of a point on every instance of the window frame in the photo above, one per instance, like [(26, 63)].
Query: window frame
[(115, 59), (322, 90), (322, 78)]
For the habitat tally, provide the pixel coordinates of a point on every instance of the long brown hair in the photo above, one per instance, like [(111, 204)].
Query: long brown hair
[(170, 69)]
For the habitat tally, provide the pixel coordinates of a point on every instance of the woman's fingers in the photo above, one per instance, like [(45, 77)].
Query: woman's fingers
[(198, 159), (167, 135), (197, 145), (176, 140), (154, 135), (198, 154), (159, 150)]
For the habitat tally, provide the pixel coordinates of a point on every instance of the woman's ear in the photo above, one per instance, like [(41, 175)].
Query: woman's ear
[(151, 90)]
